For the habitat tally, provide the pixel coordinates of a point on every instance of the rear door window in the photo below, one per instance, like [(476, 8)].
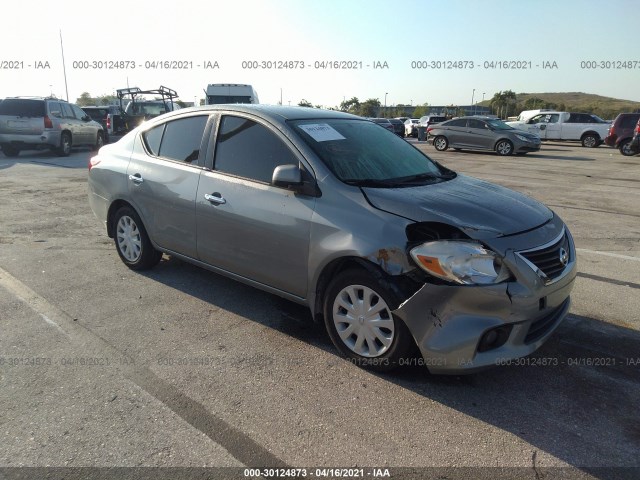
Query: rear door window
[(66, 111), (182, 139), (55, 110)]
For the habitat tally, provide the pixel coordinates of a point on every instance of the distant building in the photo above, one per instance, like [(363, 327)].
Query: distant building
[(407, 111)]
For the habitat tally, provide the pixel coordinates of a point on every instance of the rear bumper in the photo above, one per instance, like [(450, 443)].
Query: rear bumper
[(46, 139)]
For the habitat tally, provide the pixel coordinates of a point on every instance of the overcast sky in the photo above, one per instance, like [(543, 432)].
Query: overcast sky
[(534, 33)]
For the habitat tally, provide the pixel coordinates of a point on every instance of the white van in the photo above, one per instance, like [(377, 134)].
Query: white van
[(230, 93)]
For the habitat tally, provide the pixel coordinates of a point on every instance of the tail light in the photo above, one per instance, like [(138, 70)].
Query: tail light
[(637, 130), (93, 162), (108, 120), (612, 130), (47, 122), (429, 129)]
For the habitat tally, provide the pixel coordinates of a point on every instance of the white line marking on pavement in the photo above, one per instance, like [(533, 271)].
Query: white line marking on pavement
[(51, 322), (608, 254)]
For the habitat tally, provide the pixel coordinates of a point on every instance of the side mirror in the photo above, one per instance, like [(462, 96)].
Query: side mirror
[(543, 127), (86, 118), (287, 176)]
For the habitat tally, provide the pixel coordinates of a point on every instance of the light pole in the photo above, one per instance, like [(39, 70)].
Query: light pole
[(385, 103), (473, 94), (483, 98)]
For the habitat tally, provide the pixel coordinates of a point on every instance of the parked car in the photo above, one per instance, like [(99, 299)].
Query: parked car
[(428, 120), (634, 145), (621, 132), (37, 123), (385, 246), (402, 119), (111, 117), (383, 122), (587, 128), (482, 133), (398, 126), (411, 127)]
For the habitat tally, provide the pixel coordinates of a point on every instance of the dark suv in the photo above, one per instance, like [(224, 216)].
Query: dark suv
[(621, 132), (37, 123), (111, 117)]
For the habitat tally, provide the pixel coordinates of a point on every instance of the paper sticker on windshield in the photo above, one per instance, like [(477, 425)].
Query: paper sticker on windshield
[(321, 132)]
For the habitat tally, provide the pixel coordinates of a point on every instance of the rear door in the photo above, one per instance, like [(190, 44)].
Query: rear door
[(245, 225), (479, 135), (455, 131), (163, 180), (22, 116)]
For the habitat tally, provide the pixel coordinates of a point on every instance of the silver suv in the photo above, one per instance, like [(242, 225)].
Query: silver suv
[(37, 123)]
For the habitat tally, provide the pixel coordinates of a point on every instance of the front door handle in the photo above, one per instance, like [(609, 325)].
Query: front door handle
[(137, 179), (215, 198)]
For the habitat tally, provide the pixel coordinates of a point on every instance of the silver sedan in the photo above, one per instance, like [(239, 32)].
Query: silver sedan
[(389, 249)]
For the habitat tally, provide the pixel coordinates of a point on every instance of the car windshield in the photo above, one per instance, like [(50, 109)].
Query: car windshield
[(360, 153), (498, 124)]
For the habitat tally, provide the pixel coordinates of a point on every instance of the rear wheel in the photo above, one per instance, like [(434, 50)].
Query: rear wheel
[(625, 148), (504, 148), (590, 140), (441, 143), (10, 151), (358, 318), (132, 242), (64, 149), (99, 141)]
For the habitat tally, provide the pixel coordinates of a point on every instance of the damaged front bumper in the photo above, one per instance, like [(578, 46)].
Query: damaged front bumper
[(451, 323)]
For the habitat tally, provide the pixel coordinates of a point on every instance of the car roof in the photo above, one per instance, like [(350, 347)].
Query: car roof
[(277, 113)]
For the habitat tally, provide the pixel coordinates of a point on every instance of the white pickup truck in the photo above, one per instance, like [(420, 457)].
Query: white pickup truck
[(550, 125)]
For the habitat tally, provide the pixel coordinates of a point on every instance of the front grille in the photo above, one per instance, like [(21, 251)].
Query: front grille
[(548, 259), (542, 326)]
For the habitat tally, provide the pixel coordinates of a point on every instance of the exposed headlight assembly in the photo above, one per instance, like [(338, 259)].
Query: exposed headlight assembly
[(465, 263)]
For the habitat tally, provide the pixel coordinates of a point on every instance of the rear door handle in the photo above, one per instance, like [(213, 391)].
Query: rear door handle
[(215, 198), (137, 178)]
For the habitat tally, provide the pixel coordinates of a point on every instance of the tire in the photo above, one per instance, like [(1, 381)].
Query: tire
[(441, 143), (504, 148), (132, 242), (99, 142), (625, 148), (376, 340), (10, 151), (64, 149), (590, 140)]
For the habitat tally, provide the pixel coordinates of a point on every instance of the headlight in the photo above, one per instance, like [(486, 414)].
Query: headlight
[(466, 263), (524, 139)]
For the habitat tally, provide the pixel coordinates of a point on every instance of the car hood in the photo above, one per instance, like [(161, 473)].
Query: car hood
[(481, 209)]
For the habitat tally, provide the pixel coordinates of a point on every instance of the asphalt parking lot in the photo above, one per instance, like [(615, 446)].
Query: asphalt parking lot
[(179, 367)]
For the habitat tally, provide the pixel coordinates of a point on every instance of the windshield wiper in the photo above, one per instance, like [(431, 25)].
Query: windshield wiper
[(370, 182), (419, 177)]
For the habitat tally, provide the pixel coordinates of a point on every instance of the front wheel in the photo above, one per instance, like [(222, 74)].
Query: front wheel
[(504, 148), (358, 318), (590, 141), (441, 143), (132, 242)]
